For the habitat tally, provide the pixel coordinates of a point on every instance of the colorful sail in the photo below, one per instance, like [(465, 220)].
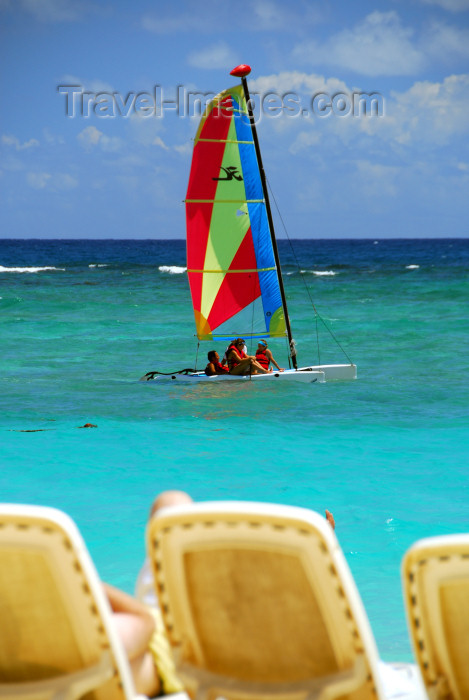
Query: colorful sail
[(230, 262)]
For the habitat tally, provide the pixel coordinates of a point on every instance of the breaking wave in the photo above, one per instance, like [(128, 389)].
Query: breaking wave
[(172, 269), (320, 273), (29, 269)]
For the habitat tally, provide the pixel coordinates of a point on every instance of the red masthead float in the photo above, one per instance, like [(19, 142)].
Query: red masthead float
[(241, 71)]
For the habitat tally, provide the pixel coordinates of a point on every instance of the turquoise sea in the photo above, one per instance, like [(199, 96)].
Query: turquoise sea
[(81, 321)]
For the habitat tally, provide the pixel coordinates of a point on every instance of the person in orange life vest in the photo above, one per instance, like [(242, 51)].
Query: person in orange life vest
[(240, 363), (214, 365), (264, 356)]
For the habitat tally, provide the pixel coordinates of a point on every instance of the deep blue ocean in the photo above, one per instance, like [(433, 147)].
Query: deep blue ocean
[(81, 321)]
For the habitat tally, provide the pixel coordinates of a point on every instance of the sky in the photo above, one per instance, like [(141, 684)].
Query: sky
[(114, 163)]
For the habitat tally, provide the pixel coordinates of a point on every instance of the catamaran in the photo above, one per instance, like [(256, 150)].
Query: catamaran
[(233, 264)]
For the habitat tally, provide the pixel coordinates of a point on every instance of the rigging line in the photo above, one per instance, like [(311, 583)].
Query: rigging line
[(197, 354), (317, 341), (252, 319), (254, 285), (318, 315), (252, 316), (288, 353)]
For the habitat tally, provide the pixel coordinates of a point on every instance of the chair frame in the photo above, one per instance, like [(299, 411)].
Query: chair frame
[(426, 567), (175, 530), (52, 534)]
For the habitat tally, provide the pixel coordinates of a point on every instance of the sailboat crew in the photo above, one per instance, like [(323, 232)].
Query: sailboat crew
[(264, 356), (240, 363), (214, 365)]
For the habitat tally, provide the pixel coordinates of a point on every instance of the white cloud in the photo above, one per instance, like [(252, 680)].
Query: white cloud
[(144, 130), (110, 143), (52, 139), (12, 164), (184, 149), (13, 141), (212, 57), (54, 10), (297, 90), (63, 181), (379, 45), (92, 137), (377, 180), (446, 42), (131, 160), (451, 5), (264, 16), (53, 182), (268, 15), (159, 142), (305, 139), (293, 93), (38, 181), (433, 112), (94, 85), (427, 116), (296, 81)]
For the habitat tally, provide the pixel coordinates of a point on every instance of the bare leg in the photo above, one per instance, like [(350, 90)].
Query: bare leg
[(243, 367), (330, 519), (169, 498), (145, 676), (248, 366), (260, 369), (135, 627)]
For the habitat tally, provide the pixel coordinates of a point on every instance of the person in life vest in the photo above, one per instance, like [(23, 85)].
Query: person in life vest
[(240, 363), (264, 356), (214, 365)]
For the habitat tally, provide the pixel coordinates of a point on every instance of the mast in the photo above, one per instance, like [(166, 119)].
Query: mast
[(241, 72)]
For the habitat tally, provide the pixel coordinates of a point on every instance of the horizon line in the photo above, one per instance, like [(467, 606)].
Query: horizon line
[(364, 238)]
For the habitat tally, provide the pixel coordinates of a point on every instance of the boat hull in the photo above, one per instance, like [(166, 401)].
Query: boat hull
[(308, 375)]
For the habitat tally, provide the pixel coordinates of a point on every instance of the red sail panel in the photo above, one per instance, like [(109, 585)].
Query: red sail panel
[(206, 160), (208, 155), (238, 289), (198, 224)]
